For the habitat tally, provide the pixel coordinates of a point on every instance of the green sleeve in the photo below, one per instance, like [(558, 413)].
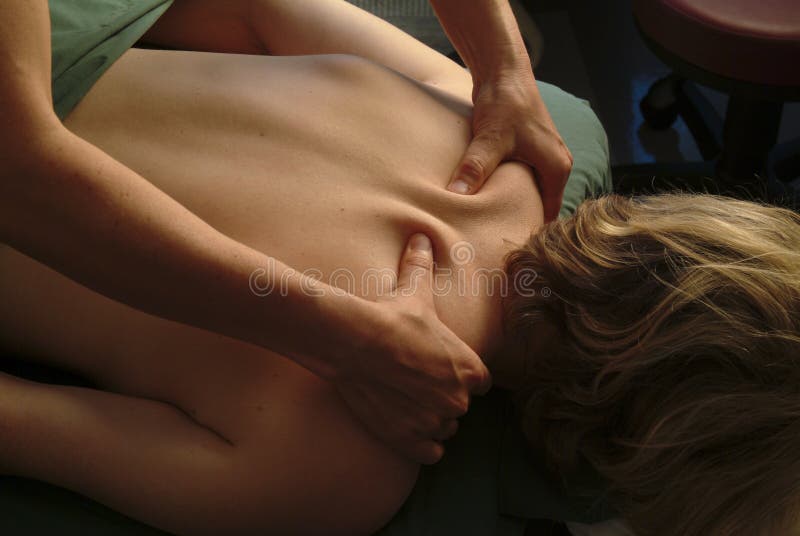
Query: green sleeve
[(88, 36)]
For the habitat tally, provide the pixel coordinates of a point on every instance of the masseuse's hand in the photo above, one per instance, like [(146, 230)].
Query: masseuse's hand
[(412, 390), (510, 121)]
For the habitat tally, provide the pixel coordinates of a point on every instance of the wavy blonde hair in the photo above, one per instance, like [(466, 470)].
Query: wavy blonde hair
[(675, 371)]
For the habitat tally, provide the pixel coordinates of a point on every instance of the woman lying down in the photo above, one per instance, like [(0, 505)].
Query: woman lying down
[(657, 338)]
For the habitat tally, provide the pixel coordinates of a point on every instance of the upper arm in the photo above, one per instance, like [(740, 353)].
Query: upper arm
[(294, 27), (207, 25), (337, 27), (26, 102)]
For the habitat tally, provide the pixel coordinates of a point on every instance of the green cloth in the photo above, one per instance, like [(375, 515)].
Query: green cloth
[(90, 35)]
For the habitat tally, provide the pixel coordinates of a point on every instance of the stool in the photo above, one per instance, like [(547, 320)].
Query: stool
[(747, 49)]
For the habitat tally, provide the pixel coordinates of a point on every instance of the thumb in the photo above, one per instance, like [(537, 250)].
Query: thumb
[(479, 161), (416, 269), (552, 163), (551, 203)]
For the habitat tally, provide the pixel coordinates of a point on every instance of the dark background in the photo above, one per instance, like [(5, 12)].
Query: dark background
[(591, 48)]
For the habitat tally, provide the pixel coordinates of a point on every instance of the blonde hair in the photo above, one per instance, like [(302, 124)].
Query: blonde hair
[(676, 369)]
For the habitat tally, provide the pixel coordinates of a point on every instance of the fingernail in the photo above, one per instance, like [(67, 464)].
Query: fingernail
[(459, 186), (420, 242)]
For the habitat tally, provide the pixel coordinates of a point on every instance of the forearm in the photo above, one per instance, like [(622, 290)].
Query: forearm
[(69, 205), (485, 34), (74, 208)]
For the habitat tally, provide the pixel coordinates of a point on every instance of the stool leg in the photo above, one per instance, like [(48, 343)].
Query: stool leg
[(703, 121), (660, 106), (750, 131), (674, 96)]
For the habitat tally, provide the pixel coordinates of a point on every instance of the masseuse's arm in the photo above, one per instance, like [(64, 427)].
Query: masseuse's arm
[(71, 206), (510, 121), (296, 27)]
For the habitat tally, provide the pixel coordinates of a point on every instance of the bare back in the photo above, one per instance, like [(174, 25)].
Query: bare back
[(328, 163)]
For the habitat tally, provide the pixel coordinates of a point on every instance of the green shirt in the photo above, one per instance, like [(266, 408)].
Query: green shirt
[(88, 36)]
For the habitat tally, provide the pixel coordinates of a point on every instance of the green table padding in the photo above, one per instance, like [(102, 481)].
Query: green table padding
[(485, 485), (586, 139)]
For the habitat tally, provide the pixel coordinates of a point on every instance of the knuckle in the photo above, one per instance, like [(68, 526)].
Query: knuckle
[(424, 425), (460, 404), (473, 379), (434, 453), (425, 452), (472, 168), (568, 153), (565, 164), (449, 427), (421, 316), (415, 322), (490, 133), (419, 259), (408, 430), (434, 426), (479, 377)]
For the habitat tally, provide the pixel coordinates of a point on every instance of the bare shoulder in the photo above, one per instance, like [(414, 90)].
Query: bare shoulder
[(512, 194)]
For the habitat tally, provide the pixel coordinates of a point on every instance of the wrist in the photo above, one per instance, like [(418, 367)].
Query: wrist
[(506, 57), (486, 35), (509, 86), (349, 330), (502, 66)]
